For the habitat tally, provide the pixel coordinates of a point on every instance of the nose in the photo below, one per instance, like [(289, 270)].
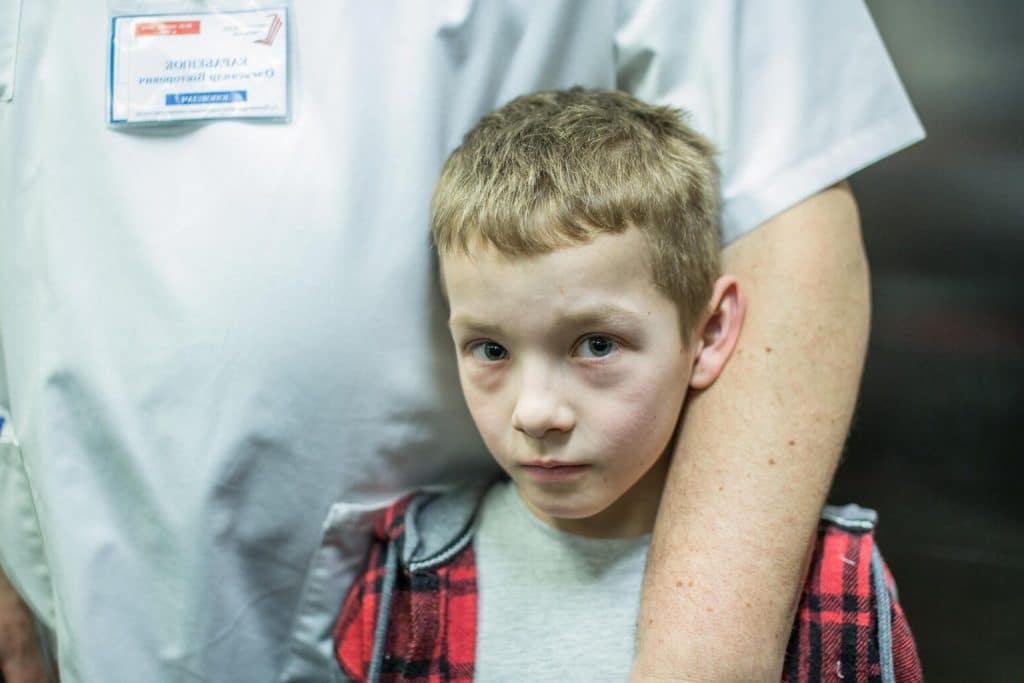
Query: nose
[(541, 407)]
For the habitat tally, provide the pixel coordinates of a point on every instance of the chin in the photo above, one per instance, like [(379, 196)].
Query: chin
[(564, 507)]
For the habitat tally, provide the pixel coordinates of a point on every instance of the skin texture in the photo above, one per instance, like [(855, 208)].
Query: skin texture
[(574, 368), (758, 451)]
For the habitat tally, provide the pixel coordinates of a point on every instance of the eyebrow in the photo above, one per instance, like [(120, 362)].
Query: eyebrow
[(602, 314), (471, 324)]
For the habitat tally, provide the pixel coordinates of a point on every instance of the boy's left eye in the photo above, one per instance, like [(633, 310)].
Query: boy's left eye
[(595, 346)]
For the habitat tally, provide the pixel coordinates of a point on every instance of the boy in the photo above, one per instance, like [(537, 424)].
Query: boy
[(578, 241)]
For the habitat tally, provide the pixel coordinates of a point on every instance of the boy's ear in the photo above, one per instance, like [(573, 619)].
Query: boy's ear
[(718, 334)]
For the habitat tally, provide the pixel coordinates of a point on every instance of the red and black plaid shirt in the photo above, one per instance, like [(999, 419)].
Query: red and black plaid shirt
[(431, 634)]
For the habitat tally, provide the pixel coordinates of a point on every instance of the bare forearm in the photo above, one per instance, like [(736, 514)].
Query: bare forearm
[(757, 453), (20, 661)]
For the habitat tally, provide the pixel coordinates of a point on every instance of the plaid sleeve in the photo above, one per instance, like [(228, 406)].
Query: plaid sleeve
[(354, 629), (837, 635)]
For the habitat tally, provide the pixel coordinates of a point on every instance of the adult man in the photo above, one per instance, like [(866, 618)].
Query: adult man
[(179, 307)]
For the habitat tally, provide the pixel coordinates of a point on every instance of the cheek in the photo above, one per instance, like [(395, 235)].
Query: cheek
[(630, 424), (642, 417), (487, 406)]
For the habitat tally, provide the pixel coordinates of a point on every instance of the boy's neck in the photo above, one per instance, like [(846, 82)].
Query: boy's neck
[(632, 515)]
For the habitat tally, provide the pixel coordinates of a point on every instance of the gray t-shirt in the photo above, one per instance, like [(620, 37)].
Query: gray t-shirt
[(553, 606)]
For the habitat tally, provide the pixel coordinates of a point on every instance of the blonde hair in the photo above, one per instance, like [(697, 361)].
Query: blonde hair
[(555, 169)]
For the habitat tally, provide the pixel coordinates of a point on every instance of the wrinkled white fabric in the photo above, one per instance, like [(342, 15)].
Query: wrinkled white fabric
[(211, 332)]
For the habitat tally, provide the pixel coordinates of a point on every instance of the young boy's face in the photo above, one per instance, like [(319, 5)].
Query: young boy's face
[(575, 371)]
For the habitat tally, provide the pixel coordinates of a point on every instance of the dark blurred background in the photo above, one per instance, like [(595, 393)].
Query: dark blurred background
[(936, 441)]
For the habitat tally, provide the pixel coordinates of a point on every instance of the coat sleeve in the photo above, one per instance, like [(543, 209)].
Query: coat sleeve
[(796, 95)]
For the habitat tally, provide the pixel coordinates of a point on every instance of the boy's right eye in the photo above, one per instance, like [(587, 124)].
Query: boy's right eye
[(489, 351)]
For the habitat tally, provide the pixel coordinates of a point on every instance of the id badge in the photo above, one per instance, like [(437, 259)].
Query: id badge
[(186, 67)]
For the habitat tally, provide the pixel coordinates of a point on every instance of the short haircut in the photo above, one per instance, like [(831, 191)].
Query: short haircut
[(555, 169)]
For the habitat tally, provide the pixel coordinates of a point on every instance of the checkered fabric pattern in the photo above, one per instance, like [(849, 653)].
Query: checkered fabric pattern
[(835, 637), (431, 635), (432, 629)]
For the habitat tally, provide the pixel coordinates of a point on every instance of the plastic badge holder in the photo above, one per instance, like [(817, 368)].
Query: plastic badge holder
[(181, 61)]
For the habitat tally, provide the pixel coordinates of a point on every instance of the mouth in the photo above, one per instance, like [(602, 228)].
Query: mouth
[(553, 470)]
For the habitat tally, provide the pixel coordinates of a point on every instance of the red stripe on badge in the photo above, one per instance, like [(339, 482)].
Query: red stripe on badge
[(167, 28)]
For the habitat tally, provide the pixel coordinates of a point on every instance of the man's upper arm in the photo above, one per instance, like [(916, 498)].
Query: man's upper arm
[(757, 450)]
